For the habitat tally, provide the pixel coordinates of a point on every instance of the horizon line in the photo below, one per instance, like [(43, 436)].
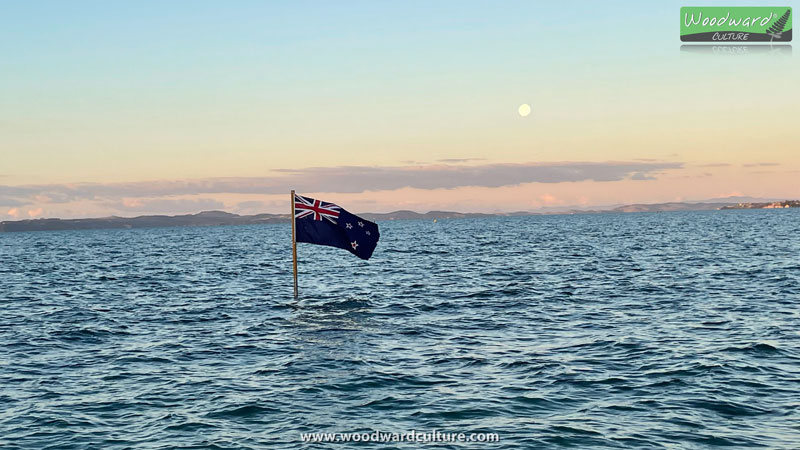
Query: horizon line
[(553, 210)]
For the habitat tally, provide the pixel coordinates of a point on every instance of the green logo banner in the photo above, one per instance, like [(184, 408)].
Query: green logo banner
[(736, 24)]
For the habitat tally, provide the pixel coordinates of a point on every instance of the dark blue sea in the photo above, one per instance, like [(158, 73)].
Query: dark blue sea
[(618, 330)]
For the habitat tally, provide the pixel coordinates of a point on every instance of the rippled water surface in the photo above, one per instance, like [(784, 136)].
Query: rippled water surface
[(674, 329)]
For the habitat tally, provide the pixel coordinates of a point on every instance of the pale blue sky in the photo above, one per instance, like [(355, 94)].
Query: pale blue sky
[(118, 91)]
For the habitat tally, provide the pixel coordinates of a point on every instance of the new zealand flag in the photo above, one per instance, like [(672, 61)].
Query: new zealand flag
[(322, 223)]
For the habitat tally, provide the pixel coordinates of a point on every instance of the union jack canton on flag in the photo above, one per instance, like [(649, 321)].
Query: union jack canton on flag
[(323, 223)]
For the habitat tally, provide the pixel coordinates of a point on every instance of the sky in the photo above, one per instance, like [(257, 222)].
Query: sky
[(130, 108)]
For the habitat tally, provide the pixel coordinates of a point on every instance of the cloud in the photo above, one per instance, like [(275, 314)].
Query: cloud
[(172, 206), (459, 160), (642, 176), (359, 179), (548, 199), (345, 179), (8, 201), (715, 165), (256, 206), (251, 204), (763, 164), (52, 197)]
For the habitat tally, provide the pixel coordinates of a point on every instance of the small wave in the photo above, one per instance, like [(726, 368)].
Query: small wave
[(697, 369), (463, 362), (143, 359), (87, 335), (191, 426), (242, 411), (728, 408), (757, 348), (541, 403), (601, 381), (574, 430), (670, 383), (458, 414), (388, 403)]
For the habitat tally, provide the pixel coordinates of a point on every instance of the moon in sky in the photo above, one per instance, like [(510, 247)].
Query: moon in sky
[(524, 109)]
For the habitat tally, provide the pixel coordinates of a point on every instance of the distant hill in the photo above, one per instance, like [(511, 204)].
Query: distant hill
[(205, 218), (216, 218), (671, 206), (740, 199), (410, 215)]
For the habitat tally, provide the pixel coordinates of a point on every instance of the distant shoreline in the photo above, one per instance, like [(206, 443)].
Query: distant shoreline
[(766, 205), (221, 218)]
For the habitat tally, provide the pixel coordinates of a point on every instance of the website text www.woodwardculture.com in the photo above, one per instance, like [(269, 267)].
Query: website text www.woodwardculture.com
[(409, 436)]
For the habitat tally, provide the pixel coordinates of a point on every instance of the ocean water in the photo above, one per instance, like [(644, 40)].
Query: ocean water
[(629, 330)]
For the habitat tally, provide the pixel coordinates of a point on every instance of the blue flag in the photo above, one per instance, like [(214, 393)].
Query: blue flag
[(318, 222)]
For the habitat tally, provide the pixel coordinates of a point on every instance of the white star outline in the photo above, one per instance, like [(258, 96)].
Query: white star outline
[(354, 244), (368, 233), (361, 224), (349, 226)]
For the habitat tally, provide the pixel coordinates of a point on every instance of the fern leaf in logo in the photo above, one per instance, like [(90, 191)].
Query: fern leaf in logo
[(777, 27)]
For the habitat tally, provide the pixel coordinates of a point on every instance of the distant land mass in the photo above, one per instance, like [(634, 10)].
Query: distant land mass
[(218, 218), (768, 205)]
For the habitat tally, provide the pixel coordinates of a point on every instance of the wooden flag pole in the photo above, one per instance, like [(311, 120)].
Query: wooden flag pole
[(294, 247)]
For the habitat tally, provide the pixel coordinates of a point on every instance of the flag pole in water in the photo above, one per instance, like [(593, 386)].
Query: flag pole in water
[(294, 246), (324, 223)]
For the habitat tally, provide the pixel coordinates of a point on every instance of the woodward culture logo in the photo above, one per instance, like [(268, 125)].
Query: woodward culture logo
[(736, 23)]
